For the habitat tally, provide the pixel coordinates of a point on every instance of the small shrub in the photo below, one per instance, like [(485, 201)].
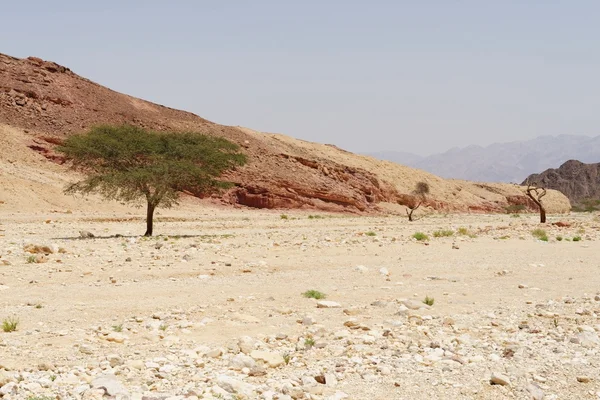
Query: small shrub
[(316, 217), (576, 238), (429, 300), (118, 328), (443, 233), (10, 324), (540, 234), (31, 259), (559, 238), (515, 215), (504, 237), (463, 231), (284, 216), (420, 236), (38, 306), (309, 342), (163, 327), (287, 358), (370, 233), (314, 294)]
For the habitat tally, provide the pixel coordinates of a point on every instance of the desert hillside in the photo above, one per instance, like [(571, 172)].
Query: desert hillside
[(42, 102)]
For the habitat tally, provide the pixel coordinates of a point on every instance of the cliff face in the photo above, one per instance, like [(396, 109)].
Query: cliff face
[(576, 180), (42, 102)]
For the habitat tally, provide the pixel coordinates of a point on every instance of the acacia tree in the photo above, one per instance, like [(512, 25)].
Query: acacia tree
[(536, 193), (420, 192), (135, 165)]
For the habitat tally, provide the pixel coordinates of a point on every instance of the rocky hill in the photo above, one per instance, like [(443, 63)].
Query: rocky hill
[(42, 102), (576, 180)]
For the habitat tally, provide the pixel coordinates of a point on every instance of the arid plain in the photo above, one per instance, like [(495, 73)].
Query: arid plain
[(213, 306)]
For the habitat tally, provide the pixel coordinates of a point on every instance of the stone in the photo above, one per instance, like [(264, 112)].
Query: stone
[(86, 234), (535, 391), (328, 304), (273, 359), (499, 379), (241, 361), (111, 385), (583, 379), (235, 386), (414, 304)]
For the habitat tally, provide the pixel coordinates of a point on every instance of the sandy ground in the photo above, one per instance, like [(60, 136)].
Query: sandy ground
[(241, 273)]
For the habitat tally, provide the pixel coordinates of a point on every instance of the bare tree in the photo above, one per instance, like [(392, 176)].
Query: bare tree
[(421, 191), (536, 193)]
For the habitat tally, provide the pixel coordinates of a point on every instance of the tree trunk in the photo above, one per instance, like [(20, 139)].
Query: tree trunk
[(410, 215), (542, 215), (149, 219)]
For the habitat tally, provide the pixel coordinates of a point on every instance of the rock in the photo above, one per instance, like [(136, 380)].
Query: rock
[(111, 385), (5, 377), (8, 389), (115, 337), (535, 391), (583, 379), (414, 304), (235, 386), (384, 271), (274, 360), (361, 268), (242, 361), (246, 344), (86, 234), (588, 339), (328, 304), (499, 379), (215, 353)]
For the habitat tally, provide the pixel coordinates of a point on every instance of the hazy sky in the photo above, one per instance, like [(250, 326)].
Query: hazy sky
[(419, 76)]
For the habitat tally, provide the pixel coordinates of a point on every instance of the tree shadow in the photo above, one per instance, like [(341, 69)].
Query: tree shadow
[(157, 237)]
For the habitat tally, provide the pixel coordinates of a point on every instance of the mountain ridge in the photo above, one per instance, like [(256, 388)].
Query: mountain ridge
[(505, 161)]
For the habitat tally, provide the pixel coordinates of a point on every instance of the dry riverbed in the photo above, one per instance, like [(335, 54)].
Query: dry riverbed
[(212, 308)]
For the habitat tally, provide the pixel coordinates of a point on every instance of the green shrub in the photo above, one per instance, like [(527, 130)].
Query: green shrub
[(463, 231), (576, 238), (10, 324), (429, 300), (540, 234), (420, 236), (314, 294), (284, 216), (443, 233), (370, 233), (559, 238)]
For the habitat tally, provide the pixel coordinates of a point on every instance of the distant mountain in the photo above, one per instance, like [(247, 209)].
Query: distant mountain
[(576, 180), (504, 162)]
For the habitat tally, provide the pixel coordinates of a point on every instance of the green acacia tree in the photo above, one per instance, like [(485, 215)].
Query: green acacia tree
[(136, 165)]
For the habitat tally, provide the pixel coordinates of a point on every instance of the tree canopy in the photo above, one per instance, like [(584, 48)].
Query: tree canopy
[(132, 164)]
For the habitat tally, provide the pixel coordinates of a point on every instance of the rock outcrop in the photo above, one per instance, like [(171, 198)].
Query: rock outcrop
[(576, 180)]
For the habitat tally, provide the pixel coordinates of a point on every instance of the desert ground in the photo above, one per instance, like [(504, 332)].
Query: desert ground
[(212, 307)]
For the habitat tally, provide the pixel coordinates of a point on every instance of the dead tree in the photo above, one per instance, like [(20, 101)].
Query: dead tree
[(421, 191), (536, 193)]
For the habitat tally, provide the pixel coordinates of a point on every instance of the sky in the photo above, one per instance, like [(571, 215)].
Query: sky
[(415, 76)]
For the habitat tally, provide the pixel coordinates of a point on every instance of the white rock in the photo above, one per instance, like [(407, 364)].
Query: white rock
[(111, 385), (328, 304), (235, 386), (274, 360)]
